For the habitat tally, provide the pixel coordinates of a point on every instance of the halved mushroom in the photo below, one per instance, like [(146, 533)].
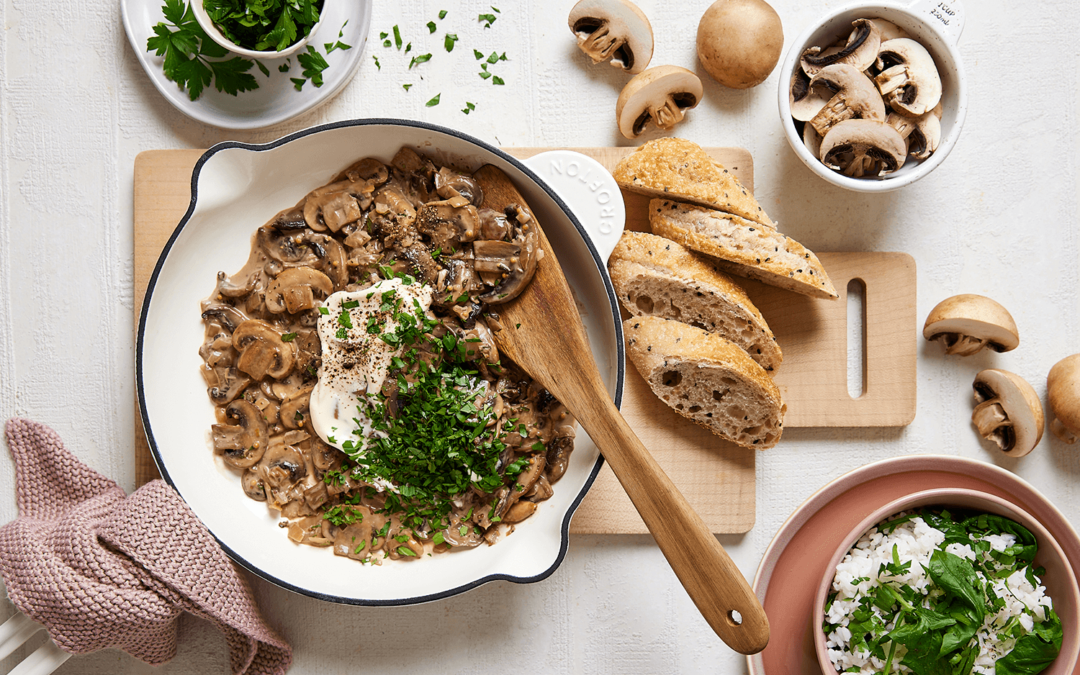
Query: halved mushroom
[(294, 289), (368, 169), (863, 148), (908, 80), (1008, 412), (244, 442), (922, 133), (860, 51), (519, 268), (262, 351), (967, 323), (614, 29), (659, 94), (854, 97), (1063, 390)]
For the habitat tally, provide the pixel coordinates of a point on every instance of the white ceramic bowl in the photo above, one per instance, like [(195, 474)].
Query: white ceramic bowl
[(217, 36), (929, 23), (1059, 578), (236, 188)]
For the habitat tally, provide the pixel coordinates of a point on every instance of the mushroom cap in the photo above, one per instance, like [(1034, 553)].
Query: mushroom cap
[(613, 29), (1009, 412), (909, 78), (860, 51), (889, 30), (739, 42), (972, 316), (1063, 391), (812, 139), (654, 89), (855, 97), (869, 141)]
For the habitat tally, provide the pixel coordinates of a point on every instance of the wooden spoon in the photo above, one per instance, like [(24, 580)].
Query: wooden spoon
[(542, 333)]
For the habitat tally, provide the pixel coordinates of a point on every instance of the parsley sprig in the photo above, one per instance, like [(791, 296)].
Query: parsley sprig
[(188, 50)]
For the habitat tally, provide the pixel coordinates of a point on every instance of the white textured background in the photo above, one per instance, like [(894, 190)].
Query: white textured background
[(999, 218)]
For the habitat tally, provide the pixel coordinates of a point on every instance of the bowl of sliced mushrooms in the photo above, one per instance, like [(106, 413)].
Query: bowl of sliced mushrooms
[(872, 97)]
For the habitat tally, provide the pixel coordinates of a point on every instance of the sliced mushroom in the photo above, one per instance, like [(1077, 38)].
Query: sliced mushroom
[(922, 133), (889, 30), (253, 485), (860, 51), (332, 206), (294, 290), (806, 102), (812, 139), (908, 80), (282, 466), (231, 289), (368, 169), (228, 316), (519, 512), (243, 442), (660, 95), (520, 270), (613, 29), (854, 97), (1008, 412), (863, 147), (1063, 390), (967, 323), (448, 223), (558, 458), (262, 351), (450, 183), (231, 382), (292, 408)]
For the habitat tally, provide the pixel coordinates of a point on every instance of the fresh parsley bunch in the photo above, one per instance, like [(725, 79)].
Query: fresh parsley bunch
[(264, 24), (186, 50)]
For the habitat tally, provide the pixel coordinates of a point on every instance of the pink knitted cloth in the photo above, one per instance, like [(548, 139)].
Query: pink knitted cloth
[(100, 569)]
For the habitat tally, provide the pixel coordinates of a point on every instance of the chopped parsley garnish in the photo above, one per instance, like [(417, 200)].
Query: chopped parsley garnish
[(442, 13), (288, 337), (488, 19), (469, 107), (431, 26), (417, 60), (449, 40), (434, 101)]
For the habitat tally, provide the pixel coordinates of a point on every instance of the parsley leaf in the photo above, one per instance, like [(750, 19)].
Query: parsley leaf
[(449, 40), (434, 101), (487, 18)]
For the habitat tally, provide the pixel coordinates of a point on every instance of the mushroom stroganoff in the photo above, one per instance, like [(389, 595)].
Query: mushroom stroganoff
[(357, 385)]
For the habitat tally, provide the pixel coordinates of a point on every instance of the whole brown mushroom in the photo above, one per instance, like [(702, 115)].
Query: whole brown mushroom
[(739, 42), (1063, 390)]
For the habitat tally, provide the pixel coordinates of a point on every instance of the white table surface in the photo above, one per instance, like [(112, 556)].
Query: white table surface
[(998, 218)]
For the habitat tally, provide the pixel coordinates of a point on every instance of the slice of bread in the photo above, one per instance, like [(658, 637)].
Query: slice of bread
[(707, 379), (742, 247), (654, 276), (674, 168)]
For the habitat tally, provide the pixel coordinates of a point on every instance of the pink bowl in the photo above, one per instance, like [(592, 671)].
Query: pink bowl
[(1059, 579)]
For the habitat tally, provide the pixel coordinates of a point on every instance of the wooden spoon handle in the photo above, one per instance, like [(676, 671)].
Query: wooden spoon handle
[(706, 571)]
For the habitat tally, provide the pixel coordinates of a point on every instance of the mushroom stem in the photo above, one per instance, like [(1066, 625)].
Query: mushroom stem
[(989, 417), (962, 345), (892, 79), (600, 44), (666, 115), (1058, 428)]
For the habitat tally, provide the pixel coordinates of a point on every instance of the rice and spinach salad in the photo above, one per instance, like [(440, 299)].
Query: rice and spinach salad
[(934, 593)]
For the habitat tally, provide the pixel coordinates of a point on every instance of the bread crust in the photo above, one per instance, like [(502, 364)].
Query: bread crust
[(742, 247), (657, 346), (675, 168), (642, 259)]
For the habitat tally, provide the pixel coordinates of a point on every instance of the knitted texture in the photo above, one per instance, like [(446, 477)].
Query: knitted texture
[(100, 569)]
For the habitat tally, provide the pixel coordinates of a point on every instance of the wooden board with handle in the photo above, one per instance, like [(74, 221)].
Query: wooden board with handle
[(717, 477)]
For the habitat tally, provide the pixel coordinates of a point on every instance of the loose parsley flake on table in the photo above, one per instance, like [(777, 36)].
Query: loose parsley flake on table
[(434, 101)]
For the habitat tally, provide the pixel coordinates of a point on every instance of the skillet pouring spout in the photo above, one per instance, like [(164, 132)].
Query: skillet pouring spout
[(542, 333)]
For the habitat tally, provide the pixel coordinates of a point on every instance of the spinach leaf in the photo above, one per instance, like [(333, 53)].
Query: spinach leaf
[(1035, 651), (920, 632), (957, 577), (988, 523)]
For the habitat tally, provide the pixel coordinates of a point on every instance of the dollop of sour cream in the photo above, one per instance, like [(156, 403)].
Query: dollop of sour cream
[(354, 361)]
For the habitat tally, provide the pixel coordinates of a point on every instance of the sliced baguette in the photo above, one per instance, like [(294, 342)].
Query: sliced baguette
[(654, 276), (742, 247), (674, 168), (707, 379)]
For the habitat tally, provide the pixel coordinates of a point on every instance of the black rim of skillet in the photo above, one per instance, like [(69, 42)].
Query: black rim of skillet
[(564, 533)]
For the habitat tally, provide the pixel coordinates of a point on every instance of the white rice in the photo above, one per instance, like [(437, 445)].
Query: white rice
[(916, 541)]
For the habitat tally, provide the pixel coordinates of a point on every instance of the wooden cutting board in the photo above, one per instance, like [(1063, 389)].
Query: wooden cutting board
[(717, 477)]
